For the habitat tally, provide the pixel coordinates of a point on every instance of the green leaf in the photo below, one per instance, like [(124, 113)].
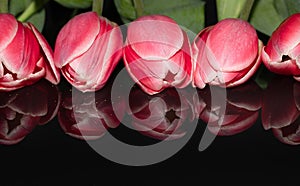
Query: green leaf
[(38, 19), (229, 8), (268, 14), (281, 7), (16, 7), (188, 13), (126, 10), (265, 17), (287, 7), (75, 3)]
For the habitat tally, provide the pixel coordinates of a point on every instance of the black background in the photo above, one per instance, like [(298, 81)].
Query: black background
[(48, 156)]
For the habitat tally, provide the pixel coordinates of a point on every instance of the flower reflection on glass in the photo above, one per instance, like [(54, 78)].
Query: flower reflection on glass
[(159, 116), (281, 109), (22, 110), (242, 109), (87, 116)]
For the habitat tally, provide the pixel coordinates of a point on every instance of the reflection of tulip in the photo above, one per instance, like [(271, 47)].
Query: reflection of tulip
[(23, 109), (87, 50), (284, 122), (242, 109), (87, 116), (226, 54), (25, 55), (157, 54), (161, 116), (281, 55)]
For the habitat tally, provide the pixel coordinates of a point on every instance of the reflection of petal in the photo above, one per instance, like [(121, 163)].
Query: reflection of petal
[(160, 116), (248, 96), (296, 93), (25, 108), (240, 124), (87, 116), (279, 108), (242, 106)]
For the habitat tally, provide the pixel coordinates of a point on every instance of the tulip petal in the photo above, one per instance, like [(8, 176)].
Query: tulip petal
[(76, 37), (1, 71), (249, 72), (286, 36), (155, 37), (52, 73), (198, 49), (10, 24), (22, 53), (228, 41), (8, 83), (90, 72)]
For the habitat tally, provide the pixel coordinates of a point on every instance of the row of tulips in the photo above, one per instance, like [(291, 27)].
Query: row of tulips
[(157, 53), (163, 116)]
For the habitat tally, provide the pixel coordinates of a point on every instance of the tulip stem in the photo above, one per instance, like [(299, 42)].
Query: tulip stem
[(246, 11), (98, 6), (33, 7), (139, 7), (3, 6)]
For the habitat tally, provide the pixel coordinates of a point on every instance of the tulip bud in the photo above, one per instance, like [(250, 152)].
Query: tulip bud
[(25, 55), (226, 54), (281, 54), (87, 50), (157, 54)]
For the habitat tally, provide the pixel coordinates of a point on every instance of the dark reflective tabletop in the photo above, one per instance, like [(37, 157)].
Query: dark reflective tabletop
[(56, 131)]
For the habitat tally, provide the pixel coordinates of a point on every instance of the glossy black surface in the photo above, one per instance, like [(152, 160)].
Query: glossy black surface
[(50, 151)]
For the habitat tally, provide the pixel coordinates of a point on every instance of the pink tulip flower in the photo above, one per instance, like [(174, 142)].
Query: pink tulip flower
[(282, 53), (25, 55), (226, 54), (87, 50), (157, 54)]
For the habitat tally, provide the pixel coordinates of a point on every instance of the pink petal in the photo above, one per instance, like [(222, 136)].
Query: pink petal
[(10, 24), (22, 54), (286, 36), (249, 72), (234, 45), (1, 71), (198, 54), (76, 37), (52, 73), (11, 84), (155, 37), (92, 69)]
